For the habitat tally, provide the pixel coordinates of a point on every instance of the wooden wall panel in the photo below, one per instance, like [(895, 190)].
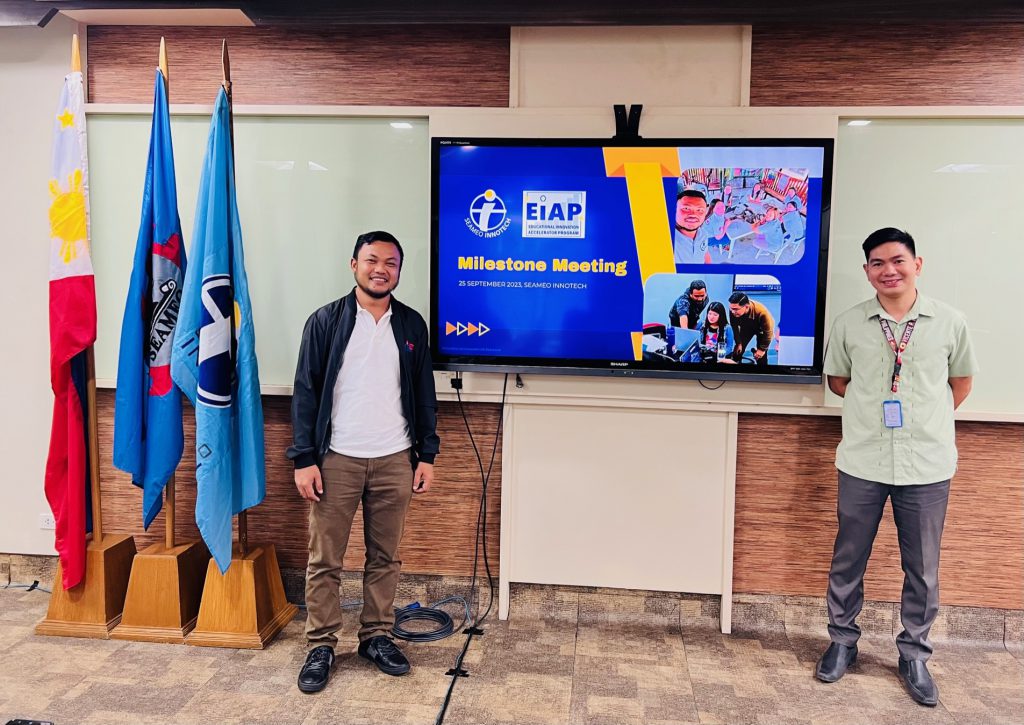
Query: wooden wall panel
[(899, 64), (440, 528), (786, 521), (396, 65)]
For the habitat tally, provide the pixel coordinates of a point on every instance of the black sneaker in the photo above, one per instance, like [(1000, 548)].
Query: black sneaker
[(317, 670), (384, 653)]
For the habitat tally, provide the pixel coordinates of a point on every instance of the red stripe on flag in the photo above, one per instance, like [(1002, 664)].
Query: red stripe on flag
[(72, 320), (66, 478), (72, 330)]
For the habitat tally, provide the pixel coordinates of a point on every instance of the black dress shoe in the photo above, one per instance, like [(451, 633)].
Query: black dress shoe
[(382, 652), (317, 670), (834, 662), (919, 683)]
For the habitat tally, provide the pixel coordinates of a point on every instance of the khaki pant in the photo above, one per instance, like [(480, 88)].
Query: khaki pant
[(384, 486)]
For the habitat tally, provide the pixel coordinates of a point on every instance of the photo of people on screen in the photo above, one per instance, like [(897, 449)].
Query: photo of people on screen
[(686, 310), (751, 321), (740, 216), (690, 240), (717, 319), (715, 337)]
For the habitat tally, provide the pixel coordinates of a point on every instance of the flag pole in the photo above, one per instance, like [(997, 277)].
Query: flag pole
[(169, 497), (90, 383), (225, 62)]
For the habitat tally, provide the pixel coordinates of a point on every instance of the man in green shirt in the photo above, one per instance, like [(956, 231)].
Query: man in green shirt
[(902, 363)]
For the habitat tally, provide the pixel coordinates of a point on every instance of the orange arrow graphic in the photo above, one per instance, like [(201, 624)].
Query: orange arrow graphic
[(449, 328), (472, 328)]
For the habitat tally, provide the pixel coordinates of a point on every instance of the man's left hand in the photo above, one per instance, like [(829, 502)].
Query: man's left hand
[(423, 477), (759, 353)]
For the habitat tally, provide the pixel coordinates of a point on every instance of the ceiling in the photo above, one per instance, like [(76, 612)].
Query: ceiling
[(517, 12)]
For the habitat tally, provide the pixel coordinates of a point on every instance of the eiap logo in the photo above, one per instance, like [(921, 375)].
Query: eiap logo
[(488, 215)]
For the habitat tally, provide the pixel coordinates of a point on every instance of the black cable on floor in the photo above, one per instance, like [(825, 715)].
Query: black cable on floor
[(33, 587), (415, 612), (444, 623), (457, 670)]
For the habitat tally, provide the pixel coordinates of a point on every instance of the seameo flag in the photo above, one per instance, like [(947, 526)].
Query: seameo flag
[(148, 438)]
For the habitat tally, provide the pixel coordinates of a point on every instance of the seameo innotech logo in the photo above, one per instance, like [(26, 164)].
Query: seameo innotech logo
[(488, 215)]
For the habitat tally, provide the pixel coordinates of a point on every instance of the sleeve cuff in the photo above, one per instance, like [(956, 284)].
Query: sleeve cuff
[(304, 460)]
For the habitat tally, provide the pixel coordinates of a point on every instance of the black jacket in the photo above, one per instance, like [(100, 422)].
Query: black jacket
[(324, 340)]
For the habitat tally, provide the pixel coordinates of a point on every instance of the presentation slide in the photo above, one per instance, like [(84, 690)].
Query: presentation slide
[(650, 256)]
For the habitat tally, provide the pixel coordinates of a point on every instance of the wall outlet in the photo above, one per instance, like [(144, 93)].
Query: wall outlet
[(46, 522)]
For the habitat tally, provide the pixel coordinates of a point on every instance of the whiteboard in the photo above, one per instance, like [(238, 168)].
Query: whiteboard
[(307, 187), (958, 187)]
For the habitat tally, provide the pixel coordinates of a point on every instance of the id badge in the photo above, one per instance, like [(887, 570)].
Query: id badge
[(892, 414)]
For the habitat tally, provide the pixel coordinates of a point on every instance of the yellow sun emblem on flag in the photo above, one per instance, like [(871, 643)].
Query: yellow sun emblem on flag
[(67, 215)]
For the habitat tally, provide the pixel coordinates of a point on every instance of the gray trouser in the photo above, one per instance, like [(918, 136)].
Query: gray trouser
[(919, 512)]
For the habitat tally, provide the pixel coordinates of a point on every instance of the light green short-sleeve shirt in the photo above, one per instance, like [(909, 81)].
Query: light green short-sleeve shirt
[(923, 450)]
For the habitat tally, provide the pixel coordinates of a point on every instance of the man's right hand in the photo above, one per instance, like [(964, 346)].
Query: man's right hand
[(309, 483)]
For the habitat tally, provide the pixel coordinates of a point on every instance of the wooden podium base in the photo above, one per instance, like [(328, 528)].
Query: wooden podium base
[(92, 608), (246, 607), (163, 593)]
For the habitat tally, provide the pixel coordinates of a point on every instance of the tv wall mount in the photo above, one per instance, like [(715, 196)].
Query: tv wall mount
[(627, 128)]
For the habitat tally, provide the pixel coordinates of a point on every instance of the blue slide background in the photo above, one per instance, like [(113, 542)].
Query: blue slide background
[(591, 323)]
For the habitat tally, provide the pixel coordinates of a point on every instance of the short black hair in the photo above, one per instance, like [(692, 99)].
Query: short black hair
[(693, 193), (886, 235), (696, 284), (738, 298), (370, 237)]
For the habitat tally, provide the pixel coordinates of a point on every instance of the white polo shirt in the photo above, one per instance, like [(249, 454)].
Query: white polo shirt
[(366, 417)]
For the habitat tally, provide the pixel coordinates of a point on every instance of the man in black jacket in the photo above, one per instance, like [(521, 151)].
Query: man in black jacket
[(364, 416)]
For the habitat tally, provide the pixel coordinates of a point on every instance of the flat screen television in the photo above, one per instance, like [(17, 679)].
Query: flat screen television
[(679, 258)]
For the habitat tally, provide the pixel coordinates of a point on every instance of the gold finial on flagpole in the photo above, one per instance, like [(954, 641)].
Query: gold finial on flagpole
[(76, 55), (225, 64), (163, 65)]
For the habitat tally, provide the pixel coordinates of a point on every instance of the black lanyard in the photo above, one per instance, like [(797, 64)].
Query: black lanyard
[(897, 348)]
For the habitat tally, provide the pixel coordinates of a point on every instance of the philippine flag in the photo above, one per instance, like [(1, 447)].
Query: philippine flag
[(72, 331)]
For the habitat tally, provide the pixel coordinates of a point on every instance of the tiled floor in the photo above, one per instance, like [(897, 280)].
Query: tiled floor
[(565, 656)]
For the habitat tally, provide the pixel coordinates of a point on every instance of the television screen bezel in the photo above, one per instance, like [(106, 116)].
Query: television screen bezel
[(799, 374)]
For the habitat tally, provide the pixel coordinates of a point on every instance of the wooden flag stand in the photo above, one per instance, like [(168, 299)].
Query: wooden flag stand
[(245, 607), (165, 587), (167, 578), (93, 607)]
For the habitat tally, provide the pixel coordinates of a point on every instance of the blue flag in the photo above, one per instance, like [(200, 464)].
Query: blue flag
[(214, 358), (148, 439)]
